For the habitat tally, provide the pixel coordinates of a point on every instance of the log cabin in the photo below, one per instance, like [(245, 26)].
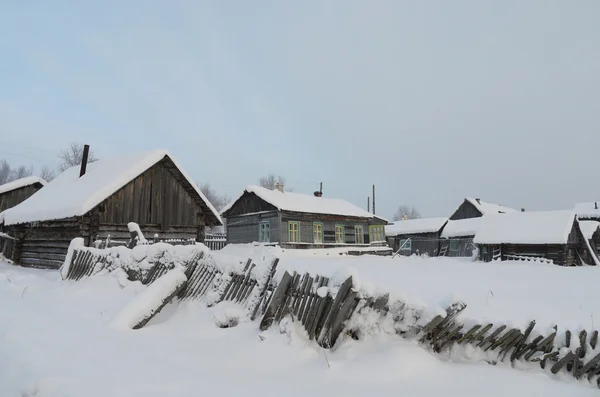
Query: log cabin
[(99, 199), (416, 236), (457, 235), (15, 192), (553, 235), (294, 220)]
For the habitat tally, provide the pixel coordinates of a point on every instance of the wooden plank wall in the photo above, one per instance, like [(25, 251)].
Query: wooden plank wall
[(17, 196), (244, 229), (465, 211), (329, 223)]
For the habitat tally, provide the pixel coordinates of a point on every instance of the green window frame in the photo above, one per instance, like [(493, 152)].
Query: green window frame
[(405, 244), (454, 245), (293, 231), (264, 232), (340, 234), (359, 237), (318, 232)]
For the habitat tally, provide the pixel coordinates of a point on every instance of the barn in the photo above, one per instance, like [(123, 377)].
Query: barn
[(457, 236), (553, 235), (99, 200), (17, 191), (294, 220), (416, 236)]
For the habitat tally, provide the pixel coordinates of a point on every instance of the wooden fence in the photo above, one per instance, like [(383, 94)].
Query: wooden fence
[(215, 241), (327, 313)]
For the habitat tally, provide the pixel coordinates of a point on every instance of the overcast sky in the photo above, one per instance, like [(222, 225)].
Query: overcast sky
[(431, 101)]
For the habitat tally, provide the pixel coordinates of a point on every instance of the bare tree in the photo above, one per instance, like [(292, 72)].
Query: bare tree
[(406, 212), (270, 181), (219, 201), (9, 174), (72, 155), (47, 173)]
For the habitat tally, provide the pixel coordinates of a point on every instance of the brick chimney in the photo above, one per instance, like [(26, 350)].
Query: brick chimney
[(279, 186)]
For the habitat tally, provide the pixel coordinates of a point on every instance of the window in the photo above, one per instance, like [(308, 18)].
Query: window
[(293, 232), (318, 233), (455, 245), (264, 232), (340, 238), (376, 233), (358, 235), (405, 245)]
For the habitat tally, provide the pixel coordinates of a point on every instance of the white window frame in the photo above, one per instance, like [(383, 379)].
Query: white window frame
[(261, 231)]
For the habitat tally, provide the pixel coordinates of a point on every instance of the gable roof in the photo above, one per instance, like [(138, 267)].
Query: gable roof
[(461, 228), (588, 228), (415, 226), (489, 208), (19, 183), (69, 195), (588, 210), (534, 227), (297, 202)]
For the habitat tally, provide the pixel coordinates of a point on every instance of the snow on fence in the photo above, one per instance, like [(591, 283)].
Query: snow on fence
[(215, 241), (330, 310)]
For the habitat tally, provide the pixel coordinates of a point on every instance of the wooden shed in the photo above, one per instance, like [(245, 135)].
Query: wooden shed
[(416, 236), (150, 189), (553, 235), (457, 236), (16, 192), (295, 220)]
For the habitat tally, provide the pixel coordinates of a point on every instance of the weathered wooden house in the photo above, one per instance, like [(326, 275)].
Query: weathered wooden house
[(16, 192), (553, 235), (150, 189), (416, 236), (460, 230), (591, 232), (294, 220)]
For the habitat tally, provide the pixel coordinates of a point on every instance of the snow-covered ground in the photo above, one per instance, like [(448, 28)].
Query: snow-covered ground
[(58, 339)]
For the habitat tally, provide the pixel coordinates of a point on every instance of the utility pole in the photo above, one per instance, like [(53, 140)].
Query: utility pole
[(373, 199), (368, 204), (321, 188)]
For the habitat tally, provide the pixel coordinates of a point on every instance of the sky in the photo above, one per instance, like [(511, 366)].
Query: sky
[(431, 101)]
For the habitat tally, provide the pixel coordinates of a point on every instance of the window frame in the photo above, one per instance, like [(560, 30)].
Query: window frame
[(376, 233), (322, 233), (290, 223), (343, 234), (260, 231), (454, 244), (361, 234), (407, 247)]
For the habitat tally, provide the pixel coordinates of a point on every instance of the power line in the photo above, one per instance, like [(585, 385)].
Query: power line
[(20, 155)]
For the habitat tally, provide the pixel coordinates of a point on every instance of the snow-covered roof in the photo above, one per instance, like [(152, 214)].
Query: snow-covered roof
[(489, 208), (415, 226), (534, 227), (588, 210), (19, 183), (297, 202), (461, 228), (69, 195), (588, 228)]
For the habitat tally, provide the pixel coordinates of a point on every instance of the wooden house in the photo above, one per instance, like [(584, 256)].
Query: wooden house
[(16, 192), (553, 235), (416, 236), (295, 220), (591, 232), (150, 189), (460, 230)]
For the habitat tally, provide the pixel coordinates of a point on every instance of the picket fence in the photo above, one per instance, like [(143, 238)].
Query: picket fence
[(328, 317)]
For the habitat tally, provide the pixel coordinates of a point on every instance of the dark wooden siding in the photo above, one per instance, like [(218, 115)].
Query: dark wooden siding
[(422, 243), (466, 211), (244, 229), (249, 203), (17, 196), (329, 222)]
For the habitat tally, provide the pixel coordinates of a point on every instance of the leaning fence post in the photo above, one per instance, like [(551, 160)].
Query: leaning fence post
[(279, 297)]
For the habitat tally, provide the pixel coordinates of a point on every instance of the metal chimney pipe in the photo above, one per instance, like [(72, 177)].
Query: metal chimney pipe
[(84, 160)]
